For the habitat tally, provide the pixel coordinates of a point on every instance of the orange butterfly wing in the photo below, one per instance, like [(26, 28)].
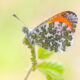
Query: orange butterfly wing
[(60, 18)]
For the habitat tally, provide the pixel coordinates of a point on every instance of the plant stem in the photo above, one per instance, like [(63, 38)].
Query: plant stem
[(33, 58), (28, 72), (32, 67)]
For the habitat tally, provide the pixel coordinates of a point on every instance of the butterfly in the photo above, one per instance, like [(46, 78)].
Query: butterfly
[(55, 34)]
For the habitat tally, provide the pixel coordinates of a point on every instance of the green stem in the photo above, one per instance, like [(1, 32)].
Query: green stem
[(33, 59), (28, 73)]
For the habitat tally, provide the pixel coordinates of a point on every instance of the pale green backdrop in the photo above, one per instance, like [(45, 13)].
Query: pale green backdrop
[(14, 56)]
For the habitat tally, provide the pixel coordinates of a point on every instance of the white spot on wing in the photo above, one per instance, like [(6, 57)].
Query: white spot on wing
[(48, 35), (47, 26), (39, 29), (43, 40), (51, 43)]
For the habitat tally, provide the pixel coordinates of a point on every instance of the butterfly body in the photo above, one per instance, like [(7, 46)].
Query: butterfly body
[(56, 33)]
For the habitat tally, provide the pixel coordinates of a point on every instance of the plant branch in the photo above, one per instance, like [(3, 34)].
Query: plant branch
[(33, 58), (28, 72)]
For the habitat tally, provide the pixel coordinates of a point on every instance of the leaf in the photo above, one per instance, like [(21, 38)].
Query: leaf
[(43, 54), (53, 70)]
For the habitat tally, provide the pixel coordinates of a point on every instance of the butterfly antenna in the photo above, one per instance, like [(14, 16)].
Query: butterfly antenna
[(25, 29), (18, 19)]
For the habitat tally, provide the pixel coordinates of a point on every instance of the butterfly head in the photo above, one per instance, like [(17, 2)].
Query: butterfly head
[(28, 34), (25, 30)]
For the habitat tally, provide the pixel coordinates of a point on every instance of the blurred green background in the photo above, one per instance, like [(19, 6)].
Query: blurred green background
[(14, 56)]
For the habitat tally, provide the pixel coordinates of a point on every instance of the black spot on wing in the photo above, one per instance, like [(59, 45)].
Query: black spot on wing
[(71, 16), (71, 13)]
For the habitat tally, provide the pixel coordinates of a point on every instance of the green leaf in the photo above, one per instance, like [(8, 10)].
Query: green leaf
[(43, 54), (53, 70)]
